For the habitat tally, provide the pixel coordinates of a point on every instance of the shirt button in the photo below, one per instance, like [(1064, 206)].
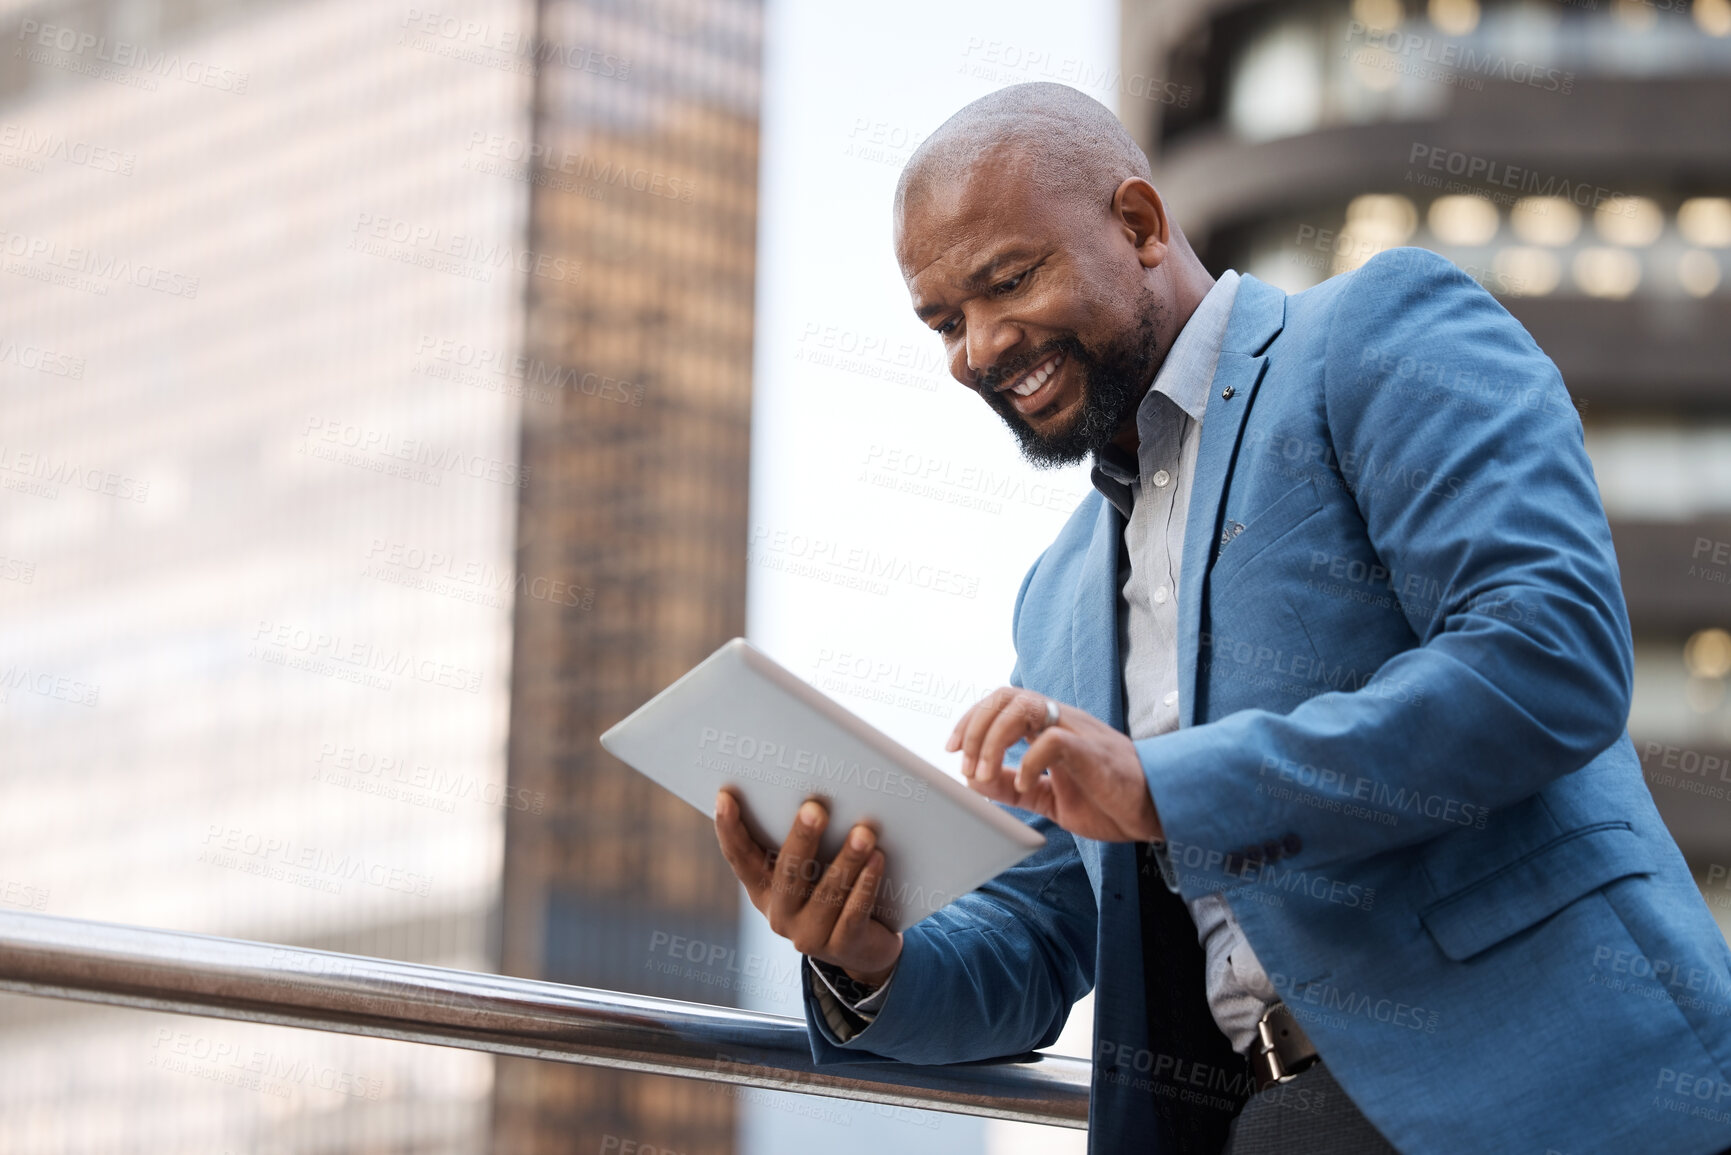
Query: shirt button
[(1171, 697), (1160, 595), (1162, 478)]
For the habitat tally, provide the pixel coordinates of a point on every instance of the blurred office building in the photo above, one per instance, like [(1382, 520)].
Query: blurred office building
[(640, 468), (1571, 157), (258, 480), (375, 382)]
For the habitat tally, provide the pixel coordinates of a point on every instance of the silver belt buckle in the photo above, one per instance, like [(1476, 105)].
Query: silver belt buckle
[(1284, 1050)]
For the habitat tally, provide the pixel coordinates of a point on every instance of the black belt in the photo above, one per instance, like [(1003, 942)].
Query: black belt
[(1281, 1049)]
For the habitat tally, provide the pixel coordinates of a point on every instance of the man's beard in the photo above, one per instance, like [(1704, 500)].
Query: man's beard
[(1113, 380)]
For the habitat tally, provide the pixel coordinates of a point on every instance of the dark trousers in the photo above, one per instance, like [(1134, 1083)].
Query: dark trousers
[(1310, 1115), (1307, 1115)]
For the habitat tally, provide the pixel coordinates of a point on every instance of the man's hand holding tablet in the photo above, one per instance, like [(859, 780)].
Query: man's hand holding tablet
[(824, 911), (760, 750), (743, 726), (1077, 771)]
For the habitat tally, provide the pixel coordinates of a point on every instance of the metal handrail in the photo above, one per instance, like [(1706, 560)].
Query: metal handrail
[(227, 978)]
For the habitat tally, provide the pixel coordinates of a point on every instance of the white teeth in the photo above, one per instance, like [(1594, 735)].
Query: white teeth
[(1035, 379)]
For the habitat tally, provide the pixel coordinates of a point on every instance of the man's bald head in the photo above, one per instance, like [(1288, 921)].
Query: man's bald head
[(1061, 139), (1034, 244)]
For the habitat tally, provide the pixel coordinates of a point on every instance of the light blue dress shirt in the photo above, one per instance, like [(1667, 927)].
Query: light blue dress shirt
[(1153, 494)]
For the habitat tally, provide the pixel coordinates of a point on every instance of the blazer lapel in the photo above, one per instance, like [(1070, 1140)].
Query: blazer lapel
[(1258, 314), (1096, 681), (1094, 662), (1097, 675)]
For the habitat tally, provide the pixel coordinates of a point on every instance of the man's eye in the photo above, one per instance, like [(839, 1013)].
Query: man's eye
[(945, 329), (1011, 284)]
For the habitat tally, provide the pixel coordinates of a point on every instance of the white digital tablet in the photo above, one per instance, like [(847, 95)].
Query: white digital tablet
[(740, 720)]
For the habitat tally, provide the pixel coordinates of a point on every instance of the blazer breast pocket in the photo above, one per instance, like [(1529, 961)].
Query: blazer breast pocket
[(1274, 523), (1534, 887)]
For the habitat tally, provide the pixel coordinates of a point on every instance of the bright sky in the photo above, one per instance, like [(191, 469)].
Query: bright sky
[(870, 464), (892, 516)]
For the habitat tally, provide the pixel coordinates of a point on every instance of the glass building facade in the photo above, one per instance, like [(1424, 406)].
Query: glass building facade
[(644, 178), (257, 495)]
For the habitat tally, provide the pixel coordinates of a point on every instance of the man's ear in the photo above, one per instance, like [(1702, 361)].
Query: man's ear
[(1141, 214)]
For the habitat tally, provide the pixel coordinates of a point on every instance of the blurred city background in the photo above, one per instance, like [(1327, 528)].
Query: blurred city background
[(393, 397)]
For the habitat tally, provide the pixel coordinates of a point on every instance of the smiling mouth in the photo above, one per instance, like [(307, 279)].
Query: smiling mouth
[(1029, 392)]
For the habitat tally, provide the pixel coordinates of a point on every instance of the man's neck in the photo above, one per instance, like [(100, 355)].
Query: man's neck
[(1184, 306)]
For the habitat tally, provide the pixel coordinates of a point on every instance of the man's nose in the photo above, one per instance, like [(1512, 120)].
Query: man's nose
[(987, 343)]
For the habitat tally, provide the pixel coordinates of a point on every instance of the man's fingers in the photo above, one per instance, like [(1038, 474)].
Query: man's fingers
[(974, 730), (1071, 796), (1045, 750), (1042, 799), (827, 900), (954, 741), (1020, 718), (1065, 794), (979, 721), (1002, 788), (794, 864), (999, 787), (750, 862), (861, 897)]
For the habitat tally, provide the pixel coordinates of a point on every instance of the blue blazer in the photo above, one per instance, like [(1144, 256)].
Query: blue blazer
[(1405, 671)]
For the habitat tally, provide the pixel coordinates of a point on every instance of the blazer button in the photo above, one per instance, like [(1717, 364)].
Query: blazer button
[(1292, 842), (1271, 850)]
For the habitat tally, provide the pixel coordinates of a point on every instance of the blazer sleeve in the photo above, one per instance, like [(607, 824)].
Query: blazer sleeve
[(1525, 662), (992, 974)]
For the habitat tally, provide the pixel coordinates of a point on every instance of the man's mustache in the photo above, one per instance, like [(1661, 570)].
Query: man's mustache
[(993, 379)]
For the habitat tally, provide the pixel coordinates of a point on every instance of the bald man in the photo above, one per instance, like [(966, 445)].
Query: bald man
[(1319, 700)]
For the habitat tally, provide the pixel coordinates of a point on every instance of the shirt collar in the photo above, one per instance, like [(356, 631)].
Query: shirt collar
[(1183, 380)]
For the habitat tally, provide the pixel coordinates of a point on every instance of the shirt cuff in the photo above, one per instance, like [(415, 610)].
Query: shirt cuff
[(848, 1006)]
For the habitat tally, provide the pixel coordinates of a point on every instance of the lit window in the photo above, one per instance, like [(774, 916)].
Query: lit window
[(1612, 273), (1545, 220), (1277, 88), (1707, 653), (1454, 17), (1663, 469), (1706, 221), (1698, 272), (1713, 17), (1527, 272), (1374, 222), (1463, 220), (1380, 15), (1635, 15), (1376, 68), (1630, 221)]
